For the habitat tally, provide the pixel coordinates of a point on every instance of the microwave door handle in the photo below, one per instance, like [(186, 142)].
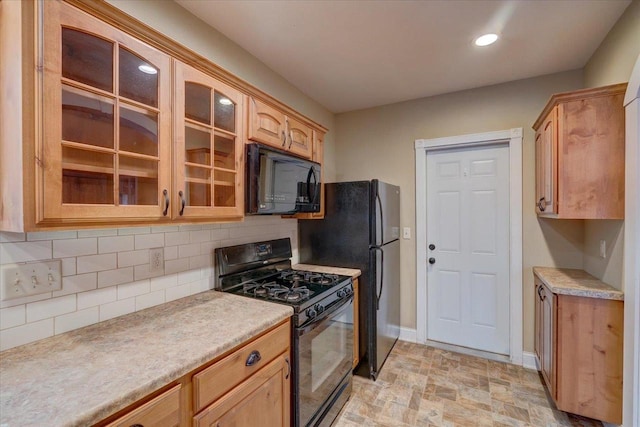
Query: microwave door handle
[(309, 175)]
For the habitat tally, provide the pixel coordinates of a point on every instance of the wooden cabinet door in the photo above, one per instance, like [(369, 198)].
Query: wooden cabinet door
[(266, 124), (537, 338), (549, 166), (539, 146), (299, 138), (263, 399), (106, 150), (163, 410), (548, 339), (208, 154)]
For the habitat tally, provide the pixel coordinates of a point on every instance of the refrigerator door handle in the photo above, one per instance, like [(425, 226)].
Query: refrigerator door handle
[(379, 200), (379, 292)]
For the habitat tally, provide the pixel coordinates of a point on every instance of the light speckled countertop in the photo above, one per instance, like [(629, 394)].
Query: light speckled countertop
[(353, 272), (81, 377), (565, 281)]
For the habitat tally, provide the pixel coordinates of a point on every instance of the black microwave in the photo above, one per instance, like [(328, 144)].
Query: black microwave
[(279, 183)]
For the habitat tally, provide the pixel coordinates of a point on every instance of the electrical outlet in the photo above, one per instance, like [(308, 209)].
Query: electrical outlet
[(603, 248), (406, 233), (156, 260), (30, 278)]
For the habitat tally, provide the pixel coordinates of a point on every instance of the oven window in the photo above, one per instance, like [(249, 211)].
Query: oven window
[(326, 355)]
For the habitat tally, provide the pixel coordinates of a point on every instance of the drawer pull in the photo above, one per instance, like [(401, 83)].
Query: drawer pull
[(288, 368), (253, 358), (137, 425)]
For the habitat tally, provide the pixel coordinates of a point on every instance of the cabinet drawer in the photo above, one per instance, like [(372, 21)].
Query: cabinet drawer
[(164, 410), (224, 375)]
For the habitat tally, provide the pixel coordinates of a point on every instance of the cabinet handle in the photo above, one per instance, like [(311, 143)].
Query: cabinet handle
[(165, 193), (253, 358), (137, 425), (541, 204), (183, 202), (284, 138), (286, 359), (290, 139), (542, 297)]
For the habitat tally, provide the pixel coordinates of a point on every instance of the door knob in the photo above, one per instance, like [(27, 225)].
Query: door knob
[(432, 260), (432, 246)]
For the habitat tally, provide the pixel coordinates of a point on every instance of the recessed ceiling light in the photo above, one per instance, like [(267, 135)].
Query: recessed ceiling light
[(225, 101), (486, 39), (148, 69)]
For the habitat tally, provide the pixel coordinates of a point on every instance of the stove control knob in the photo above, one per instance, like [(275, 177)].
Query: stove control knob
[(349, 291), (311, 313), (319, 308), (341, 293)]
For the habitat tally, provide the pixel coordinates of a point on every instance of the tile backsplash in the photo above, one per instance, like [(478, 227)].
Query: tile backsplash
[(106, 271)]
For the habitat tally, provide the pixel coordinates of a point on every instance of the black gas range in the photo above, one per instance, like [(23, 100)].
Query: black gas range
[(322, 335)]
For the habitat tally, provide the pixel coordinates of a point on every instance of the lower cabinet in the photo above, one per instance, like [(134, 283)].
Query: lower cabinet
[(578, 341), (250, 384)]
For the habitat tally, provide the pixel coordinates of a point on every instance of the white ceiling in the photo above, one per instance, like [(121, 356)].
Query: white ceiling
[(349, 55)]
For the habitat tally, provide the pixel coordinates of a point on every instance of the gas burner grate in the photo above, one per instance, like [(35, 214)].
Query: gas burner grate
[(323, 279)]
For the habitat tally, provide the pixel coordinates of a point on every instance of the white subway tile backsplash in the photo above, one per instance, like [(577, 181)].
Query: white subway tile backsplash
[(25, 334), (170, 252), (78, 283), (106, 271), (177, 238), (163, 282), (176, 292), (115, 244), (127, 259), (133, 289), (75, 247), (68, 266), (146, 241), (134, 230), (117, 308), (86, 264), (97, 297), (189, 276), (176, 265), (115, 277), (185, 251), (51, 235), (11, 252), (50, 308), (149, 300), (7, 236), (101, 232), (75, 320), (13, 316)]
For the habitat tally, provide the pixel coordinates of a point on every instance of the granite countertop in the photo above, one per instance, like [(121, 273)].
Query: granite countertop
[(83, 376), (353, 272), (565, 281)]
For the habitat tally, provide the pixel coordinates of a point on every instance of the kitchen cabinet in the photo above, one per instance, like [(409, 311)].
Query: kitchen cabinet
[(105, 123), (579, 146), (208, 146), (578, 341), (273, 127), (163, 410)]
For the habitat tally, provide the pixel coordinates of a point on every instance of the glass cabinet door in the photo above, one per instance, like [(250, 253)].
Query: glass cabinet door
[(106, 114), (208, 146)]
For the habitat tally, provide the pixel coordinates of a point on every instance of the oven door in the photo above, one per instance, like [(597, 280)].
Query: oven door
[(325, 356)]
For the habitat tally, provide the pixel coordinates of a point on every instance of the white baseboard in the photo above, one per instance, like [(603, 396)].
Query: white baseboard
[(408, 334), (530, 361)]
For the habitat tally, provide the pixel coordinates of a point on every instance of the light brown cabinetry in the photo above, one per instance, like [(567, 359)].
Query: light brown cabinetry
[(578, 342), (248, 383), (208, 146), (271, 126), (579, 146), (163, 410)]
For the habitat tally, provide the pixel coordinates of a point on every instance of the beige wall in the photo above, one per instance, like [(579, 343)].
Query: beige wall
[(175, 22), (379, 143), (611, 63)]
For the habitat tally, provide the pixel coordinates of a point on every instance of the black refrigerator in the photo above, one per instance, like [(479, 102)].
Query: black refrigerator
[(361, 229)]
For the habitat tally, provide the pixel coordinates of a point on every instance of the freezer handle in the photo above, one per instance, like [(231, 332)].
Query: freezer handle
[(379, 200), (379, 292)]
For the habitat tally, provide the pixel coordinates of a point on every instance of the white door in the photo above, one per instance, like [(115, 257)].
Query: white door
[(468, 229)]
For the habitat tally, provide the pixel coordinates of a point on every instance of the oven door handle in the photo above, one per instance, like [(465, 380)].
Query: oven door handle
[(337, 309)]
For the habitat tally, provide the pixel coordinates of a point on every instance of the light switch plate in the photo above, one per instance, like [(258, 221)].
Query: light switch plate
[(30, 278)]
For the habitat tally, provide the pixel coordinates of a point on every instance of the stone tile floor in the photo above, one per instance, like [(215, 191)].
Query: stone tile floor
[(425, 386)]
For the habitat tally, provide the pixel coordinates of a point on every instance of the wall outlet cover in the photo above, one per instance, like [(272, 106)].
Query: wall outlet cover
[(156, 260)]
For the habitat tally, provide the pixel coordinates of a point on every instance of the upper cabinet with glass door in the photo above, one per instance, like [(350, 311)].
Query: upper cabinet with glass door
[(107, 120), (208, 150)]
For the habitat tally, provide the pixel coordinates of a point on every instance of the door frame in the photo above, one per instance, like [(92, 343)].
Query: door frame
[(512, 137)]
